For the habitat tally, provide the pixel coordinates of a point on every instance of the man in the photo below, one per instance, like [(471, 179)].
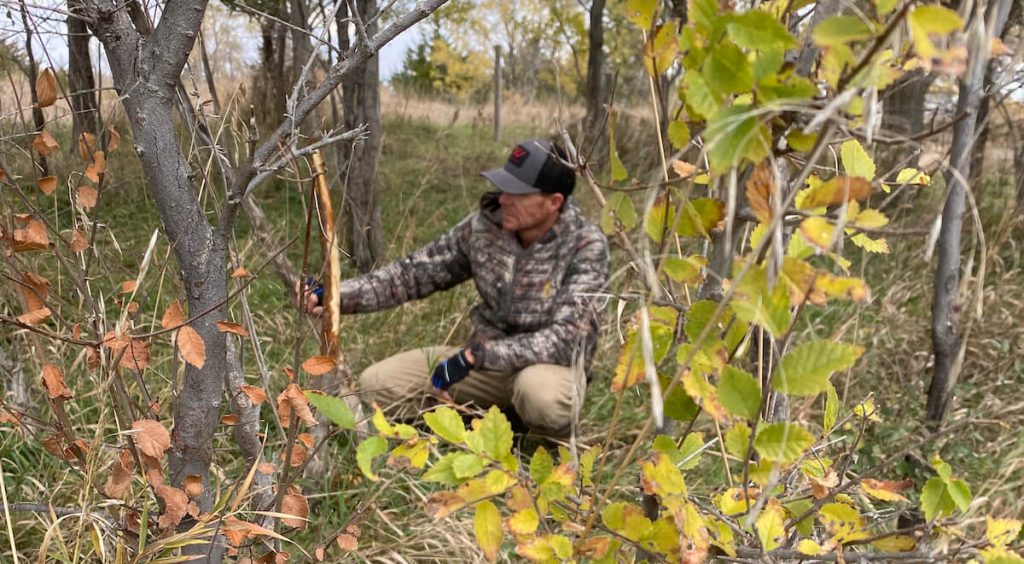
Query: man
[(538, 266)]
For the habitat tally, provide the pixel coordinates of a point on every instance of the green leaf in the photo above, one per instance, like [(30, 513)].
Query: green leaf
[(618, 171), (799, 507), (753, 303), (739, 393), (960, 493), (759, 30), (687, 452), (831, 408), (685, 270), (661, 477), (540, 465), (587, 465), (806, 370), (618, 206), (856, 160), (782, 442), (884, 7), (840, 30), (704, 15), (800, 141), (661, 216), (773, 88), (728, 71), (641, 12), (737, 440), (367, 450), (699, 216), (467, 465), (561, 545), (661, 49), (678, 134), (767, 63), (442, 471), (446, 423), (733, 135), (679, 405), (334, 408), (697, 317), (487, 525), (699, 97), (935, 500), (491, 435)]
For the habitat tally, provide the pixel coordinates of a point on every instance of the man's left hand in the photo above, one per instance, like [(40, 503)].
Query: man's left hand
[(453, 370)]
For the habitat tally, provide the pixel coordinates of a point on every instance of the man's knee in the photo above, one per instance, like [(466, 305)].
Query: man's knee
[(543, 397)]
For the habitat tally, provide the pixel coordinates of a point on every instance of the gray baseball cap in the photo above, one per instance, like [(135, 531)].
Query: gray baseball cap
[(534, 166)]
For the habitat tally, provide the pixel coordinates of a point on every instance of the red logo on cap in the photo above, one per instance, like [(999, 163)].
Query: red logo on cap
[(518, 156)]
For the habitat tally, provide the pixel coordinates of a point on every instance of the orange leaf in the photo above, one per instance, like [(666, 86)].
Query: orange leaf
[(79, 242), (760, 188), (10, 417), (191, 345), (266, 468), (53, 380), (175, 505), (115, 342), (151, 438), (240, 272), (229, 327), (318, 365), (193, 485), (683, 169), (306, 439), (298, 456), (293, 398), (97, 167), (32, 237), (128, 286), (121, 477), (294, 503), (34, 289), (35, 317), (237, 530), (46, 88), (347, 542), (86, 146), (835, 191), (87, 196), (230, 419), (821, 487), (113, 139), (289, 373), (92, 358), (173, 317), (44, 143), (137, 355), (319, 553), (256, 395), (47, 184)]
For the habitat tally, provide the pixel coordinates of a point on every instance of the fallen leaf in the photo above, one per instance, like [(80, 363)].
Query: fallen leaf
[(347, 542), (295, 504), (290, 399), (86, 146), (47, 184), (193, 485), (256, 395), (229, 327), (46, 88), (35, 317), (191, 345), (79, 242), (121, 475), (318, 365), (44, 143), (137, 355), (87, 196), (173, 317), (53, 380), (32, 237), (151, 438)]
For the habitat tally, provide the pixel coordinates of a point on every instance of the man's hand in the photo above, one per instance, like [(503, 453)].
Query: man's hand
[(310, 296), (453, 370)]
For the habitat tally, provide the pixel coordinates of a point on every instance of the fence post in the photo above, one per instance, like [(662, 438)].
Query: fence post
[(497, 93)]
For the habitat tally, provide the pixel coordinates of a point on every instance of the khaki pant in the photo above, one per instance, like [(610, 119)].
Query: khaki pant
[(541, 394)]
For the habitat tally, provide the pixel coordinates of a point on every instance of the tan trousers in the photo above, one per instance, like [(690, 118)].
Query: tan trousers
[(541, 394)]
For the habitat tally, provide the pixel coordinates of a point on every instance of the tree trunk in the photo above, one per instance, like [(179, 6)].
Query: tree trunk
[(595, 95), (85, 116), (208, 73), (946, 337), (33, 73), (361, 107), (903, 115)]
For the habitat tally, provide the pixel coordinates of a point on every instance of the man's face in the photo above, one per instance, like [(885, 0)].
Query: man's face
[(521, 212)]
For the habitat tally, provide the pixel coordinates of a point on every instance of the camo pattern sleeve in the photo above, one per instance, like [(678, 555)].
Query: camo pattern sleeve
[(438, 266), (575, 321)]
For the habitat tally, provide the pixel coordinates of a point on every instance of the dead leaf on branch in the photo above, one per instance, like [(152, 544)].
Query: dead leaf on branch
[(760, 189), (295, 504), (193, 485), (255, 394), (175, 505), (347, 542), (151, 438), (47, 184), (319, 365), (88, 196), (137, 355), (230, 419), (86, 146), (79, 242), (121, 476), (31, 237), (34, 290), (230, 327), (53, 381), (240, 272), (35, 317), (290, 399), (97, 167), (173, 317), (44, 143), (113, 139), (46, 88), (10, 417), (191, 345)]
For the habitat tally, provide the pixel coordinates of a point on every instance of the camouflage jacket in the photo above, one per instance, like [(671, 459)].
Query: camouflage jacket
[(539, 304)]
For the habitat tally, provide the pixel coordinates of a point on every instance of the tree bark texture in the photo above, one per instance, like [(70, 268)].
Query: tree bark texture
[(361, 106), (85, 117), (903, 115), (946, 336), (33, 73), (595, 96)]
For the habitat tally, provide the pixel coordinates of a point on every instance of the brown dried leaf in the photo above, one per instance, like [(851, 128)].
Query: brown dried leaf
[(319, 365), (86, 146), (319, 553), (760, 188), (115, 342), (47, 184), (34, 290), (256, 395), (230, 327), (137, 355), (173, 317), (347, 542), (79, 242), (295, 504), (88, 196), (821, 487), (35, 317), (298, 457), (44, 143), (237, 530), (121, 476), (113, 139), (266, 468), (46, 88), (193, 485), (10, 417), (32, 237), (97, 167), (835, 190), (175, 505), (92, 357), (191, 345), (684, 169), (53, 446), (290, 399), (129, 286), (306, 439), (230, 419), (53, 381), (151, 438), (289, 373)]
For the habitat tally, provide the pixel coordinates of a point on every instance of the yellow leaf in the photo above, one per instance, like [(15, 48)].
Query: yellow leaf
[(523, 522), (818, 231), (871, 219), (487, 525), (885, 490), (912, 176), (835, 191), (733, 502), (810, 548), (1001, 532), (895, 543), (770, 525), (870, 245)]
